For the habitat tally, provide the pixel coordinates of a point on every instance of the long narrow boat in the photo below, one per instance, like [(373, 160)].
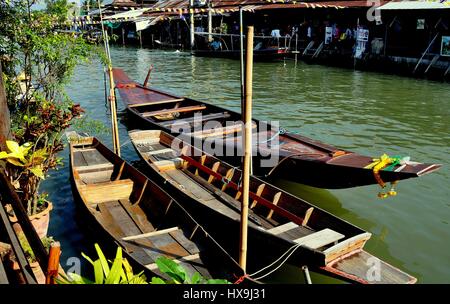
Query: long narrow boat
[(296, 158), (132, 211), (278, 220)]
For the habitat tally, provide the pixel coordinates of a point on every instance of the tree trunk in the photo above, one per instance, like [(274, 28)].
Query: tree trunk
[(5, 122)]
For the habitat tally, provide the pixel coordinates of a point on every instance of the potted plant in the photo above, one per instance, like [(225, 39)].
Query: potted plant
[(40, 59), (14, 265)]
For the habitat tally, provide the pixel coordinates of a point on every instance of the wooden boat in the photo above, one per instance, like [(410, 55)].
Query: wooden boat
[(277, 219), (133, 212), (301, 159)]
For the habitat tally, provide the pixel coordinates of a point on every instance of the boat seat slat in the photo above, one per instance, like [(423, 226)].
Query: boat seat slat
[(170, 164), (107, 191), (149, 234), (164, 101), (174, 110), (161, 151), (320, 238), (195, 119), (283, 228)]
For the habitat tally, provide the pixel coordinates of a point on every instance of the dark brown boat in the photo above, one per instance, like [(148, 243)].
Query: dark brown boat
[(277, 220), (298, 158), (133, 212)]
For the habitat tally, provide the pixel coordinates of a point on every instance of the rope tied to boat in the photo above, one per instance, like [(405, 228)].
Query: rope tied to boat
[(281, 131), (387, 163)]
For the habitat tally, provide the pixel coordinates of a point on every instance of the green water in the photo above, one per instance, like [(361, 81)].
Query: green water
[(364, 112)]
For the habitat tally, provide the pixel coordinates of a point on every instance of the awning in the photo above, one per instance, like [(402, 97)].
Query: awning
[(128, 14), (416, 5)]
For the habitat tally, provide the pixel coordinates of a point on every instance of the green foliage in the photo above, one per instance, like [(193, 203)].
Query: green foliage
[(46, 241), (178, 274), (38, 59), (90, 126), (119, 271)]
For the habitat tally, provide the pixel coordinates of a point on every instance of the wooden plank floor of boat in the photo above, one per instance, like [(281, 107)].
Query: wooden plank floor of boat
[(124, 220)]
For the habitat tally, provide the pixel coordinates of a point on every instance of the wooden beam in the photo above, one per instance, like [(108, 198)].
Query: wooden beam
[(17, 249), (259, 191), (320, 238), (170, 111), (149, 234), (214, 168), (7, 191), (276, 199)]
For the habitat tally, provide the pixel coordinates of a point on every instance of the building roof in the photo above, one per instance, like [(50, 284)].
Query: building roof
[(416, 5)]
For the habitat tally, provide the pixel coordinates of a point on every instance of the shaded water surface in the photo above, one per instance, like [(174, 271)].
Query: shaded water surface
[(365, 112)]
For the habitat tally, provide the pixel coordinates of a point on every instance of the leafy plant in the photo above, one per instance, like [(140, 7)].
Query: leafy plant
[(119, 271), (38, 59), (46, 241)]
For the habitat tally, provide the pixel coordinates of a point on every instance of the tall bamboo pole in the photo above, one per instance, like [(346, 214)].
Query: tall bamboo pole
[(191, 21), (248, 148), (112, 95), (241, 40)]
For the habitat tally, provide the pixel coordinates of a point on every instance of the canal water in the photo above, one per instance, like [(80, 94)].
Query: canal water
[(364, 112)]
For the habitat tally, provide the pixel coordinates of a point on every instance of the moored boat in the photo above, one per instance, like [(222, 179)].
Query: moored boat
[(293, 157), (278, 221), (133, 212)]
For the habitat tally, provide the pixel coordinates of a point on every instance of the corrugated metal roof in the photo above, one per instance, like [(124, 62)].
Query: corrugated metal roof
[(416, 5)]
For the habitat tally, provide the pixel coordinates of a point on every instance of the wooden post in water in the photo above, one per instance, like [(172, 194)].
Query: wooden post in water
[(241, 37), (53, 263), (123, 36), (191, 20), (210, 16), (112, 95), (247, 148)]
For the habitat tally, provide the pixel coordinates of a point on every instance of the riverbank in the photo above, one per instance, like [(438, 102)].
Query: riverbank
[(369, 113)]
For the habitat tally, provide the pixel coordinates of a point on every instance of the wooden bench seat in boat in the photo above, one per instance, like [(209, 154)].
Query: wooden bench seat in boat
[(169, 164), (320, 238), (195, 119), (216, 131), (174, 110), (107, 191), (149, 234), (312, 240)]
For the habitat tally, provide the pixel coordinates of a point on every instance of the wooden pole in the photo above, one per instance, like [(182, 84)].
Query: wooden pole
[(147, 78), (53, 263), (248, 149), (5, 121), (123, 36), (112, 95), (241, 37), (210, 16), (191, 20)]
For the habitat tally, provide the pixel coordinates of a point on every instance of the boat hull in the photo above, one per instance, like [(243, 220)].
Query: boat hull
[(300, 159)]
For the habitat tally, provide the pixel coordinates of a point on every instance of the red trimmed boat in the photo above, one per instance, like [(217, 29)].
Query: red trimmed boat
[(300, 159)]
